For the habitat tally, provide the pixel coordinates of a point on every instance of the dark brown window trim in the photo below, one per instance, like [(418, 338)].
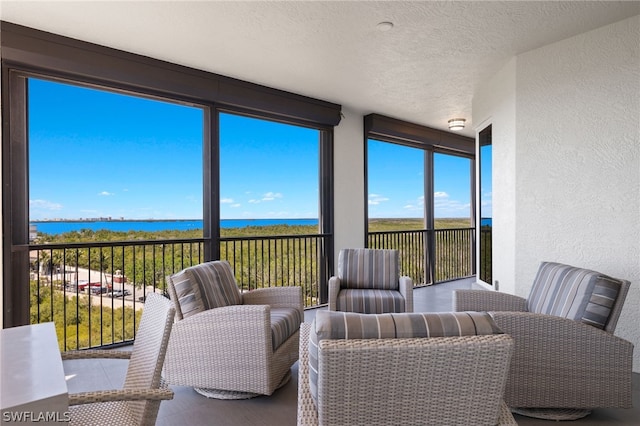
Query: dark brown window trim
[(393, 130), (34, 49)]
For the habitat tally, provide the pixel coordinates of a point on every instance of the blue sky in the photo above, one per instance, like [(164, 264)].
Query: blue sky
[(396, 182), (99, 154)]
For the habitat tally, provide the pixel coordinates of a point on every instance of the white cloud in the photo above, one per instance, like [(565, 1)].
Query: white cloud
[(236, 205), (270, 196), (375, 199), (44, 205), (445, 206), (415, 205), (226, 200), (412, 207), (254, 201), (105, 193)]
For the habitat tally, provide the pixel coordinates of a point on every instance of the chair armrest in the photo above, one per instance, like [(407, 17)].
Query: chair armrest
[(130, 394), (307, 413), (582, 365), (406, 289), (232, 322), (96, 354), (334, 289), (232, 335), (276, 297), (485, 300)]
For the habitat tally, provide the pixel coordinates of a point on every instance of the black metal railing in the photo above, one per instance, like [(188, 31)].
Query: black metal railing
[(280, 260), (485, 268), (452, 257), (94, 292)]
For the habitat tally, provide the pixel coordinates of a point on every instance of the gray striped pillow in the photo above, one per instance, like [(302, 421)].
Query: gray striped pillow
[(187, 295), (598, 310), (216, 283), (574, 293), (350, 325), (368, 268)]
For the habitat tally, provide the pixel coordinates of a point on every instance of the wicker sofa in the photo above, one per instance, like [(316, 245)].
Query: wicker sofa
[(368, 281), (381, 375), (229, 344), (567, 359)]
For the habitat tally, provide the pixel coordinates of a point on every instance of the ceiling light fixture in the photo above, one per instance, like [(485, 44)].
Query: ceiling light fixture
[(456, 124), (384, 26)]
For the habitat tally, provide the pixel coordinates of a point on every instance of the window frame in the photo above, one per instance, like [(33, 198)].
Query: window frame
[(28, 52), (431, 141)]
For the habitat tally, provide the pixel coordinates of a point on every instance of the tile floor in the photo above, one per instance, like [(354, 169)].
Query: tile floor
[(190, 408)]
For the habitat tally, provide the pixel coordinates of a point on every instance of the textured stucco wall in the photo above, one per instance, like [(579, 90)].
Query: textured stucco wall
[(577, 194), (348, 166), (495, 104)]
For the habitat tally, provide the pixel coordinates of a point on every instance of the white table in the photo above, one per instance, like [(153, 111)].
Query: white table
[(32, 381)]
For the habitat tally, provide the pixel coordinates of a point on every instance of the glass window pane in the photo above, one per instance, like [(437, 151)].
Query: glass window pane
[(269, 173), (396, 186), (104, 160), (486, 206), (452, 191)]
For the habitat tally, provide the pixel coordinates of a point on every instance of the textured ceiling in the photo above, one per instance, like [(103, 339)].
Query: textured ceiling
[(425, 69)]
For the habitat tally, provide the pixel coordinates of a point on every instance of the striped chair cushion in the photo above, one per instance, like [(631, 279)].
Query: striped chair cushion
[(370, 301), (574, 293), (284, 322), (187, 295), (349, 325), (205, 286), (368, 268)]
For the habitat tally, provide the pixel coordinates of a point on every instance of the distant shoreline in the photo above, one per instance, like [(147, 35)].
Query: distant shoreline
[(152, 220), (55, 227)]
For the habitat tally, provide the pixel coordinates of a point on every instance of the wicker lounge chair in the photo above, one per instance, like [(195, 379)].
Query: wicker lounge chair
[(567, 359), (137, 403), (447, 381), (369, 282), (227, 344)]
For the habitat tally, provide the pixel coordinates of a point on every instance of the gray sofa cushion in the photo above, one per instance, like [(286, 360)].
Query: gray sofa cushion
[(370, 301), (284, 322)]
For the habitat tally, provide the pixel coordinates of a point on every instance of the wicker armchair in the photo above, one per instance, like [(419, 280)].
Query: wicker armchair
[(567, 359), (433, 381), (137, 403), (228, 344), (369, 282)]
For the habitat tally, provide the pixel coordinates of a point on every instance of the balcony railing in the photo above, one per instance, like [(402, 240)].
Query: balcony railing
[(453, 252), (78, 285), (94, 292)]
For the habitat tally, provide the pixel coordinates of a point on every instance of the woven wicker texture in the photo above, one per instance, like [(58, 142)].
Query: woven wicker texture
[(230, 348), (426, 381), (558, 362), (138, 402)]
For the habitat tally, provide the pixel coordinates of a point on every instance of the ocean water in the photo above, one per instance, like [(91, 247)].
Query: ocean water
[(59, 227)]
